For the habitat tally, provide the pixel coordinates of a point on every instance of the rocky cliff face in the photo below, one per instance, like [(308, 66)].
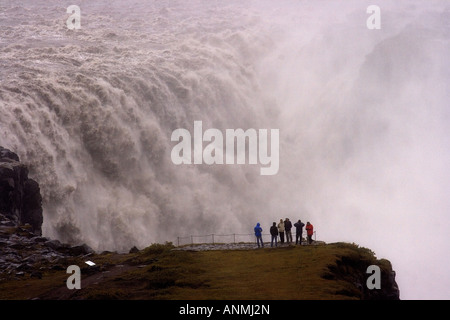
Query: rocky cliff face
[(23, 251), (352, 268), (20, 197)]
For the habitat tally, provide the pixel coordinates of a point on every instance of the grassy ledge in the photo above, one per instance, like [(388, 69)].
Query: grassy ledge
[(328, 271)]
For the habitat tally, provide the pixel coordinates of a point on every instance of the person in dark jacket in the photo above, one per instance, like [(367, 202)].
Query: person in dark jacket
[(298, 231), (287, 230), (258, 233), (274, 233)]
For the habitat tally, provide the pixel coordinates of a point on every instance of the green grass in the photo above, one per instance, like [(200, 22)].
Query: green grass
[(158, 272)]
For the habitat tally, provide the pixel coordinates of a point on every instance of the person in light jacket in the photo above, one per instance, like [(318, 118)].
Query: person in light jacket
[(281, 230)]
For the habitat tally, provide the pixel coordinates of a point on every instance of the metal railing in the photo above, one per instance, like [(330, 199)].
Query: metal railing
[(230, 238)]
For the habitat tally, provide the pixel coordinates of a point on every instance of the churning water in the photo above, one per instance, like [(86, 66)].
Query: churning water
[(362, 116)]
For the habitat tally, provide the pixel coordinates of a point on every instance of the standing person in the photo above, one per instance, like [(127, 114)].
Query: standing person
[(298, 231), (309, 231), (274, 233), (258, 234), (287, 230), (281, 230)]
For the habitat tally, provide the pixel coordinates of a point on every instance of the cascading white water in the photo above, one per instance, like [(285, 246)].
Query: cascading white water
[(92, 111), (364, 147)]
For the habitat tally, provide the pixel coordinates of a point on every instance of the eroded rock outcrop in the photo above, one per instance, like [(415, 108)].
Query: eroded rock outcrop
[(24, 252), (20, 196), (352, 268)]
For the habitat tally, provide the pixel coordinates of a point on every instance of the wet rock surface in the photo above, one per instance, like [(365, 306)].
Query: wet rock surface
[(23, 249), (20, 197), (23, 253)]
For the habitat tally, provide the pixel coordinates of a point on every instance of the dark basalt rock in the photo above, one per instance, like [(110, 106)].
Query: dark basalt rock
[(22, 253), (6, 155), (23, 250), (20, 197), (134, 249)]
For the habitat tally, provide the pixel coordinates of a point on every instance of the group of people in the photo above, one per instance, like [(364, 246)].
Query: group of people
[(284, 228)]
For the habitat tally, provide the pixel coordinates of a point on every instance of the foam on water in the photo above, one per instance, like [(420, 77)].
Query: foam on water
[(364, 140)]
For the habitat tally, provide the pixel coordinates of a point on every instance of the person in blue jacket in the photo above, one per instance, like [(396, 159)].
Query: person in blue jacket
[(258, 234)]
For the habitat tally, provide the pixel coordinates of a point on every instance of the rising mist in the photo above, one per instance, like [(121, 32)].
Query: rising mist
[(362, 116)]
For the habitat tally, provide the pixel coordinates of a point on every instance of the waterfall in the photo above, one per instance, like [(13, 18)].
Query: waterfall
[(362, 116)]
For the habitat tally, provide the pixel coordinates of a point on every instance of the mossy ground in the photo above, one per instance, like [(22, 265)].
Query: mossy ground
[(158, 272)]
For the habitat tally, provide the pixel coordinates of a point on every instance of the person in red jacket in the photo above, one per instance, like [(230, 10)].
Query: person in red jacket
[(309, 231)]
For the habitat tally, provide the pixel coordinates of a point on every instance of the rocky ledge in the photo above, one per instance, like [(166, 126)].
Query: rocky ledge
[(239, 246), (23, 253), (20, 196), (23, 250)]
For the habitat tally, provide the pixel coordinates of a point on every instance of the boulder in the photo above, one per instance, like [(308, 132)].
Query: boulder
[(54, 244), (6, 155), (80, 250), (134, 250)]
